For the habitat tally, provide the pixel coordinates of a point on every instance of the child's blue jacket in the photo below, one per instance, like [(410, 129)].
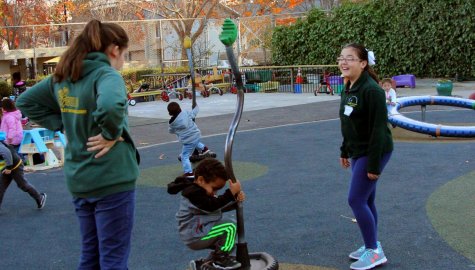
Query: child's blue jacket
[(185, 128)]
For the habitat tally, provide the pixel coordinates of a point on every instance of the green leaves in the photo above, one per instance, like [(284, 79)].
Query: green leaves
[(421, 37)]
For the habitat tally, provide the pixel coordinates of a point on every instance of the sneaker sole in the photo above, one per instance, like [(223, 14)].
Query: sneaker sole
[(194, 266), (209, 154), (358, 257), (373, 265), (43, 201), (225, 268)]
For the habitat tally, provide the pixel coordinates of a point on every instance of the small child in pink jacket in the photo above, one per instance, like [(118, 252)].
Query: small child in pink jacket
[(11, 123)]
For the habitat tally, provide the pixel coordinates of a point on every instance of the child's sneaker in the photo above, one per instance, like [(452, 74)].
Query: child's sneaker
[(226, 262), (370, 259), (199, 264), (189, 175), (41, 203), (205, 151), (355, 255)]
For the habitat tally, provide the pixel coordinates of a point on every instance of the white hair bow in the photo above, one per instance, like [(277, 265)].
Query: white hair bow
[(371, 58)]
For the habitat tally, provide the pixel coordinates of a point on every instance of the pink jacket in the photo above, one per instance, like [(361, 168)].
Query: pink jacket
[(11, 125)]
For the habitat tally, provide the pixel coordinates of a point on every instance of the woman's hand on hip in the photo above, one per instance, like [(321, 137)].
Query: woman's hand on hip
[(345, 163), (98, 143), (373, 176)]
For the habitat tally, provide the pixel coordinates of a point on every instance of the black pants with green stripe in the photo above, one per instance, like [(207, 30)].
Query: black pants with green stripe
[(221, 238)]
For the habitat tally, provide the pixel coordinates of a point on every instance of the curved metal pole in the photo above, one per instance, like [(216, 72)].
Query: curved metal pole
[(242, 253), (228, 148)]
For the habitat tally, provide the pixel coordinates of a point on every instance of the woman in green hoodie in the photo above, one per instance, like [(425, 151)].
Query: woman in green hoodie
[(367, 146), (86, 98)]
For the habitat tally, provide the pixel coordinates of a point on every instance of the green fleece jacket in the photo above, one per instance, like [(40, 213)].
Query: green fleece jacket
[(95, 104), (364, 118)]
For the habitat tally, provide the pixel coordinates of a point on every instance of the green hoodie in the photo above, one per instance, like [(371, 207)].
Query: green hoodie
[(95, 104), (364, 126)]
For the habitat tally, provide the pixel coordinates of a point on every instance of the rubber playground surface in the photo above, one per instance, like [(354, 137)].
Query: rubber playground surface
[(296, 207)]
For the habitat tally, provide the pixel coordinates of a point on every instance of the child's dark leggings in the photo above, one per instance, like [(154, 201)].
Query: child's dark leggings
[(361, 198), (18, 176)]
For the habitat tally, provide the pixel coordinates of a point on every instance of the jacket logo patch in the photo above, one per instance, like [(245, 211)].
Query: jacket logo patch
[(352, 101), (68, 103)]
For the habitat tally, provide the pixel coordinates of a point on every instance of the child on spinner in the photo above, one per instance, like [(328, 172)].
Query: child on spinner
[(200, 218), (391, 97), (183, 125)]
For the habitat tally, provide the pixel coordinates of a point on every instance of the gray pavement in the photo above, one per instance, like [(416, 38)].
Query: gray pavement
[(294, 211), (226, 104), (149, 120)]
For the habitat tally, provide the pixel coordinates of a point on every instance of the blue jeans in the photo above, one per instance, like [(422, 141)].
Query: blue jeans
[(186, 152), (106, 227)]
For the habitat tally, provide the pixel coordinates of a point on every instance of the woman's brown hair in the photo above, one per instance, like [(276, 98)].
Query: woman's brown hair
[(363, 55), (96, 37)]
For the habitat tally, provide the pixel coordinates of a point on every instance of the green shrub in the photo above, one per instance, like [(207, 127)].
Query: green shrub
[(421, 37), (5, 89), (31, 82)]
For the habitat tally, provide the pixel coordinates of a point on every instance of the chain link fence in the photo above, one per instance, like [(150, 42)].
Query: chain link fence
[(153, 43)]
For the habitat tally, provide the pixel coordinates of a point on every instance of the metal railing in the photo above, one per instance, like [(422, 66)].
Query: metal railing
[(285, 79)]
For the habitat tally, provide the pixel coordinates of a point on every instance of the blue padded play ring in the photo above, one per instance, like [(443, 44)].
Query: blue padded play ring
[(400, 120)]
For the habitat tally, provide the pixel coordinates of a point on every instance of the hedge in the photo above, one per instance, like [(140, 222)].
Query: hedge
[(427, 38)]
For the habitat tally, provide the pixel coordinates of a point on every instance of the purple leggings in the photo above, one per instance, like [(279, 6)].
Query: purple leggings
[(361, 198)]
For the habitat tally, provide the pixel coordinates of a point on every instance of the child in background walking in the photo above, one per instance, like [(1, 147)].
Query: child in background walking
[(182, 123), (11, 124), (12, 169), (200, 218)]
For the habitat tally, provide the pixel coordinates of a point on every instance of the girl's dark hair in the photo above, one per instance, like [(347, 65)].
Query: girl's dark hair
[(96, 37), (173, 109), (210, 169), (8, 105), (363, 55)]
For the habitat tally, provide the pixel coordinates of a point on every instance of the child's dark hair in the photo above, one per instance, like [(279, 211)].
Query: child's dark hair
[(363, 55), (8, 105), (210, 169), (16, 77), (173, 109)]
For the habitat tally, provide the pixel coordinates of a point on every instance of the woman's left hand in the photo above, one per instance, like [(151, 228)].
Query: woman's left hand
[(372, 176), (98, 143)]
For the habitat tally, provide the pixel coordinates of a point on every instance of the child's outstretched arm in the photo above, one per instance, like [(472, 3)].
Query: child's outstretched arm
[(195, 111)]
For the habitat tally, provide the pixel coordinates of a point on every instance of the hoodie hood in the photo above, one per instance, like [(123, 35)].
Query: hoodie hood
[(93, 61), (179, 184)]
